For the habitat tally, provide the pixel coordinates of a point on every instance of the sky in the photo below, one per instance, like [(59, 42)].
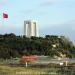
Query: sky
[(54, 17)]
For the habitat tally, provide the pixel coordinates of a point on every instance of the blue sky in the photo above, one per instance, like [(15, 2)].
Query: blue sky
[(55, 17)]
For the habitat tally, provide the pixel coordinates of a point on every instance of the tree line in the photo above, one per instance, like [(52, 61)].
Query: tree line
[(12, 46)]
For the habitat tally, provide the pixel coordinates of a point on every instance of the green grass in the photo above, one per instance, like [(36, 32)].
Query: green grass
[(52, 70), (8, 70)]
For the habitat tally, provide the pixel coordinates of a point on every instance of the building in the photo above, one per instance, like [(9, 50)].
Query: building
[(30, 28)]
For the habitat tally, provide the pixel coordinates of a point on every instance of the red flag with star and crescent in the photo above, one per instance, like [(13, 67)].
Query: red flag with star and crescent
[(5, 15)]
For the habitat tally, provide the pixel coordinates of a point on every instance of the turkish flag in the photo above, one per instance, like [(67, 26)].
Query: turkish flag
[(5, 15)]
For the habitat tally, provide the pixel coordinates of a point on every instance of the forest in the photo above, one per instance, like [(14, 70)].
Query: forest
[(12, 46)]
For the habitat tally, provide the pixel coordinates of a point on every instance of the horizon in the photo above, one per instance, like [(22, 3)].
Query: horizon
[(55, 17)]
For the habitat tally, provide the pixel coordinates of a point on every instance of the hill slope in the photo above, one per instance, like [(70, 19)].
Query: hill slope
[(51, 45)]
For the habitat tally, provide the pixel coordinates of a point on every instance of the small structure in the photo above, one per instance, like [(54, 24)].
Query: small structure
[(28, 59), (61, 64)]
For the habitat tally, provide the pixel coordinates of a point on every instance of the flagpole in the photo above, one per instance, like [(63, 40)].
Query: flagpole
[(5, 16), (2, 23)]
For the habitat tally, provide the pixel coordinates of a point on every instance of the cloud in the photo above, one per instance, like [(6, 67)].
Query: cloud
[(67, 29), (28, 11), (37, 8), (11, 29), (50, 2), (72, 24), (3, 2)]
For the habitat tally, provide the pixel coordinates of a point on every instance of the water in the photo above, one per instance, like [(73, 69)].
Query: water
[(55, 60)]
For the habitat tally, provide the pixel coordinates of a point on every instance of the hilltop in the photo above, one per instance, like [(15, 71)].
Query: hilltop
[(50, 45)]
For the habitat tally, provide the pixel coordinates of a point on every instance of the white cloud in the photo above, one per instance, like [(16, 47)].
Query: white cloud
[(53, 1), (67, 29), (50, 2), (3, 2)]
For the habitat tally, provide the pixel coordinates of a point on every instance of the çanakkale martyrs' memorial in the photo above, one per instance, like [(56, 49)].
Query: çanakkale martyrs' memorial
[(30, 28), (30, 44)]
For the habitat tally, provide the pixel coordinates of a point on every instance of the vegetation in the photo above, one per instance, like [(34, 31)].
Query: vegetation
[(16, 46), (53, 70)]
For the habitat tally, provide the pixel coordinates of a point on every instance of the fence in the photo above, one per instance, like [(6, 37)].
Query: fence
[(36, 69)]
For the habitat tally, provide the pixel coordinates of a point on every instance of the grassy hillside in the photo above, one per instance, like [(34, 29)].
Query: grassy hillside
[(54, 46)]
